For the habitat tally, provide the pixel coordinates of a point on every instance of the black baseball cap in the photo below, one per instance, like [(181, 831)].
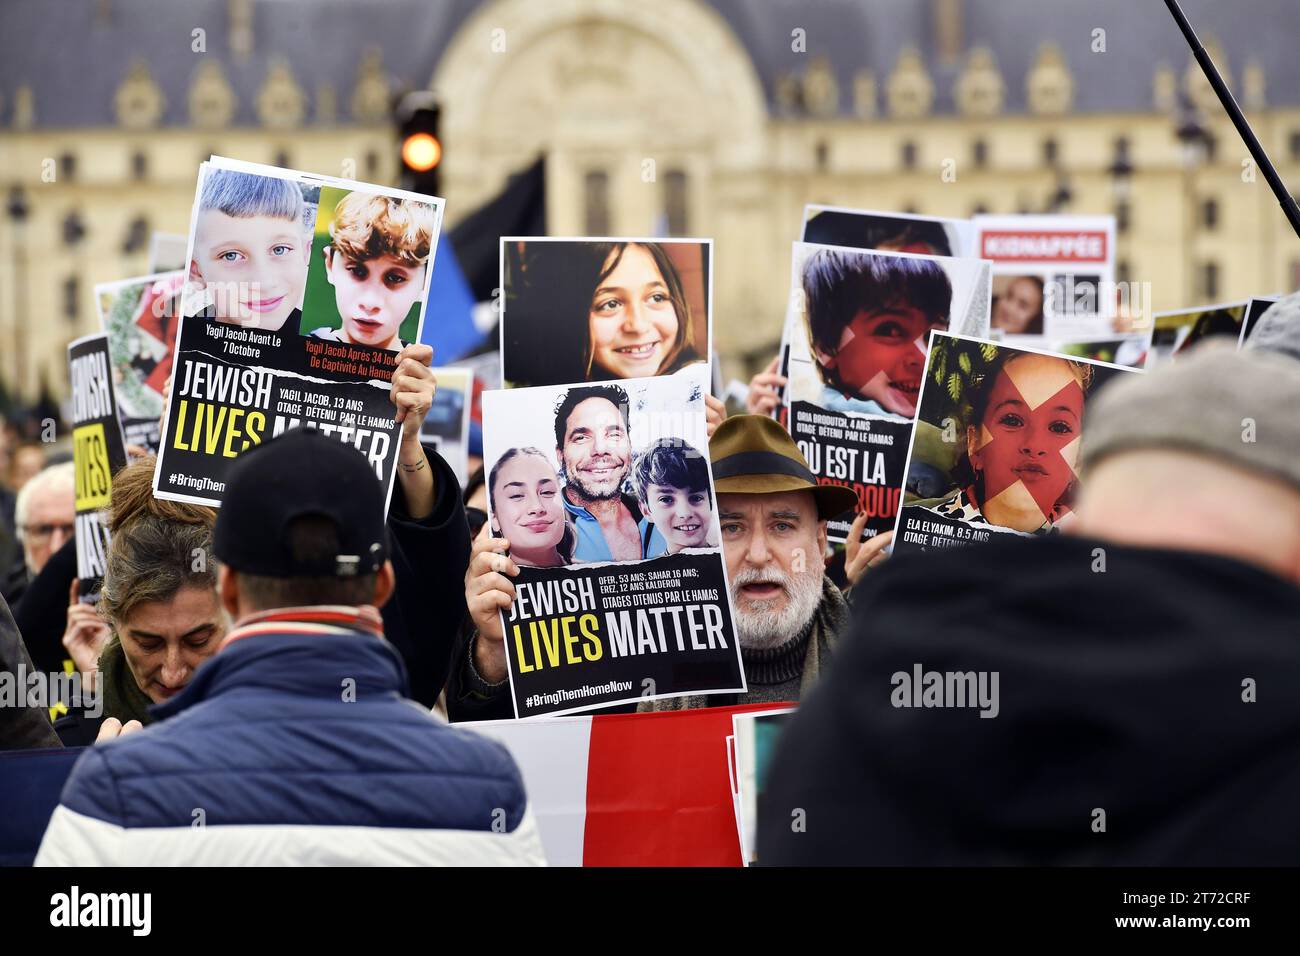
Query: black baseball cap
[(298, 473)]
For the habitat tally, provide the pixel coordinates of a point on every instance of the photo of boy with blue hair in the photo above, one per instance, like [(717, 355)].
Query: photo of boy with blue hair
[(672, 485), (252, 243)]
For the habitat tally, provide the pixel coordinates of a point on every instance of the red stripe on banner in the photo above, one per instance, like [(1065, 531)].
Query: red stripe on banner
[(658, 789)]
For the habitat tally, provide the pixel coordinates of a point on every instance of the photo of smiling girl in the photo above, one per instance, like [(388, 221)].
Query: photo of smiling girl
[(527, 509), (586, 310), (372, 261), (1022, 444)]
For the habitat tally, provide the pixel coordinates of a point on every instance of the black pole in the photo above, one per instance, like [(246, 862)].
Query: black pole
[(1275, 183)]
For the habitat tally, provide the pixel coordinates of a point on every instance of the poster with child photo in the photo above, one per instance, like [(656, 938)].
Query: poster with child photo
[(604, 495), (857, 328), (302, 295)]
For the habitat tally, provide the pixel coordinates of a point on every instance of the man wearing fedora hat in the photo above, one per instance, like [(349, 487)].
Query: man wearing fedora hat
[(789, 615)]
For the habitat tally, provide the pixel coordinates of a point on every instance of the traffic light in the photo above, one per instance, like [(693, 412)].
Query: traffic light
[(420, 145)]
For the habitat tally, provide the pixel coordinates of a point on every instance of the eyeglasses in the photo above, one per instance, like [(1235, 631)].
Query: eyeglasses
[(42, 532)]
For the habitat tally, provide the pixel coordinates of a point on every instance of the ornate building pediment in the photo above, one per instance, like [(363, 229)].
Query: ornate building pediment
[(1197, 86), (370, 98), (281, 102), (980, 90), (211, 100), (910, 90), (139, 101), (1049, 87), (821, 93)]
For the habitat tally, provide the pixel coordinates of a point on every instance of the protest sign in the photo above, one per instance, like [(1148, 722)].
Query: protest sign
[(446, 425), (888, 231), (753, 746), (140, 317), (1255, 308), (303, 289), (1181, 329), (605, 495), (98, 451), (599, 309), (856, 327), (996, 444), (1053, 278), (628, 789), (1129, 350)]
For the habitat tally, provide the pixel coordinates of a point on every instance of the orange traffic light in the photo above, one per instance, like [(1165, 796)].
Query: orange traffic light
[(421, 152)]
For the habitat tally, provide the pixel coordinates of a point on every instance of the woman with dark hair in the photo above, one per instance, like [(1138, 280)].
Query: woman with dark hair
[(159, 603), (1022, 434), (624, 301), (527, 509)]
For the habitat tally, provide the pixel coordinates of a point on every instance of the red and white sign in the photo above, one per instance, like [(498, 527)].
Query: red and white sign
[(629, 789), (1045, 245)]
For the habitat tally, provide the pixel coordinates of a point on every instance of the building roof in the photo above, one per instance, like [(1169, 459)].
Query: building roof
[(74, 54)]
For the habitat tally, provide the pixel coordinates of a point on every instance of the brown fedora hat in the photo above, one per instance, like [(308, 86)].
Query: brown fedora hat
[(754, 455)]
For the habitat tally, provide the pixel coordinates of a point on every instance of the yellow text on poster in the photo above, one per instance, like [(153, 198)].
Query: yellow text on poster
[(94, 478)]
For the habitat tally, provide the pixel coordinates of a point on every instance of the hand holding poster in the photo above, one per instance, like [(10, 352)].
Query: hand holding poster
[(97, 452), (303, 291), (591, 310), (856, 329), (996, 443), (605, 497)]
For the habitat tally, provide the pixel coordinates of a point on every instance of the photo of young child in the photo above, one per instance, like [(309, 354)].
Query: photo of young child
[(671, 479), (868, 322), (368, 269), (252, 239), (593, 310)]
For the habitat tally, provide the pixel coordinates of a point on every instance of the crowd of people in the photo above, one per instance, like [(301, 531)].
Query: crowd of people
[(289, 662)]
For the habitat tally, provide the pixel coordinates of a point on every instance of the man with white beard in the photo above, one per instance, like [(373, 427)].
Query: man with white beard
[(789, 615)]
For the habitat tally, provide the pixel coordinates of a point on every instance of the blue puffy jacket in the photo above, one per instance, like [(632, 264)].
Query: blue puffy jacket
[(295, 745)]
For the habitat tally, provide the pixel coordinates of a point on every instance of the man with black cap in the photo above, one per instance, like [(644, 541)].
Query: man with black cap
[(1145, 670), (295, 743)]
